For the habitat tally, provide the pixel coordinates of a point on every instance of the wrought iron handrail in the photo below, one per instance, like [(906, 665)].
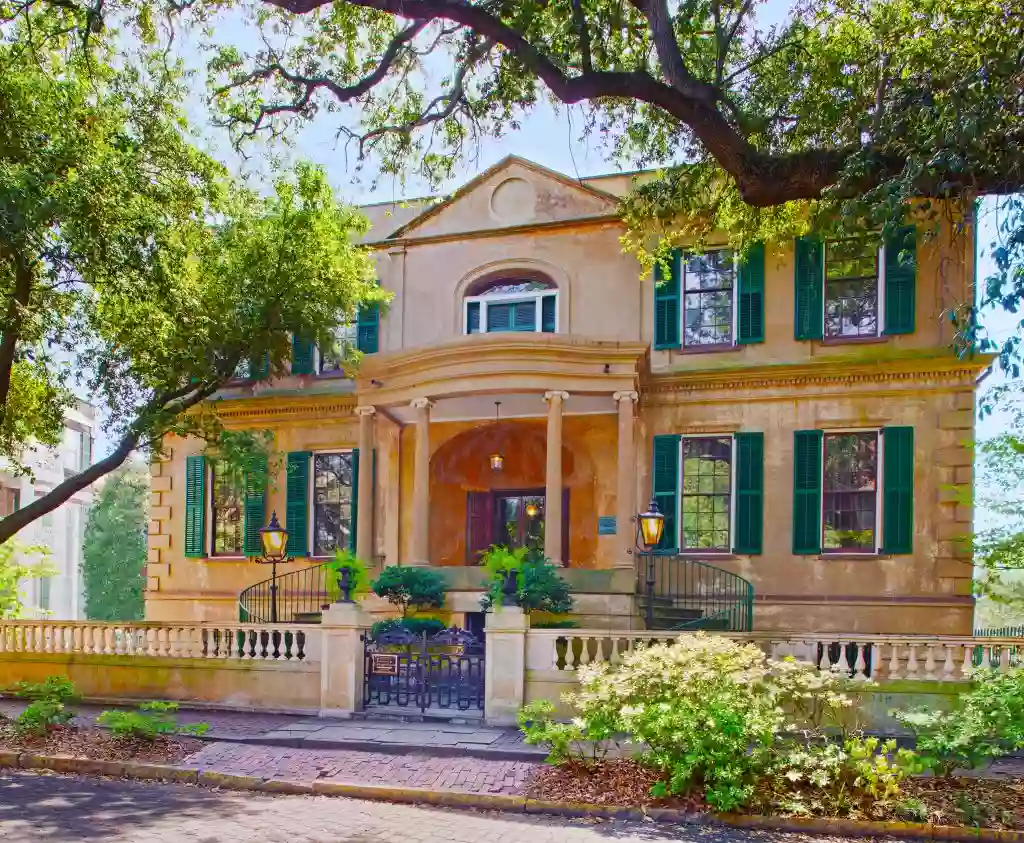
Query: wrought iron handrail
[(680, 593), (299, 593)]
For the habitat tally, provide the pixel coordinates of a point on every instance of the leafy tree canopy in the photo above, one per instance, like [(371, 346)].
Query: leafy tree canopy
[(114, 551), (132, 256), (18, 563)]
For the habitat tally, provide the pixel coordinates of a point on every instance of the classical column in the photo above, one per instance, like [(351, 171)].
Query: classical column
[(421, 484), (364, 492), (625, 506), (553, 484)]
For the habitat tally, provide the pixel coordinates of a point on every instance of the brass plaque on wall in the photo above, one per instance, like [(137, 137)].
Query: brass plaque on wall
[(384, 664)]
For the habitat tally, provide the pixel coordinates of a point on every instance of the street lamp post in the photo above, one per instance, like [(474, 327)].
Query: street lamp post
[(274, 539), (649, 528)]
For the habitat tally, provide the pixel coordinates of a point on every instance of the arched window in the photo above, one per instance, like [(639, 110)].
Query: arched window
[(511, 304)]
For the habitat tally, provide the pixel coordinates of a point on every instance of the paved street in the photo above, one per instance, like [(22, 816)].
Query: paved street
[(37, 808)]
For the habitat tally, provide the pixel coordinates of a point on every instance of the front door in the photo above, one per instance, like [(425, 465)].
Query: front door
[(520, 520), (511, 518)]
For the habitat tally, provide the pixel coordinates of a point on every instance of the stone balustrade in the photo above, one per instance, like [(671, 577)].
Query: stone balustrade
[(862, 657), (226, 642)]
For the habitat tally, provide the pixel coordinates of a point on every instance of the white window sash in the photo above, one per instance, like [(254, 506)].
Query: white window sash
[(732, 496), (509, 298), (734, 296), (880, 292), (879, 462), (311, 497)]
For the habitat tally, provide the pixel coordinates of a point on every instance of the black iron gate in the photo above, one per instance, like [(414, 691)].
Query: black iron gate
[(444, 671)]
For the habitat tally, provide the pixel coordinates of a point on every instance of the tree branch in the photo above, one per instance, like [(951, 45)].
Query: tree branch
[(14, 320), (172, 403)]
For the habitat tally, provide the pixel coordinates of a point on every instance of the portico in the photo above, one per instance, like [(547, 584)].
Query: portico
[(563, 410)]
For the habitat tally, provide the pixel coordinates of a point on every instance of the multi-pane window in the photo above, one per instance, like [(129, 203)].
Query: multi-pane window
[(332, 502), (512, 305), (851, 288), (850, 492), (226, 512), (708, 284), (345, 340), (706, 504)]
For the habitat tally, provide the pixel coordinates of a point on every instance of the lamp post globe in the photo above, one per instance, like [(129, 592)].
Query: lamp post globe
[(274, 538), (652, 524)]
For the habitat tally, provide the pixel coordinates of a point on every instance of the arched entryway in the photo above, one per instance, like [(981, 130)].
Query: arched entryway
[(473, 506)]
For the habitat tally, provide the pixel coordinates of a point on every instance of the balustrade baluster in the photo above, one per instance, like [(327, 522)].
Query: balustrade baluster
[(986, 657), (912, 666), (842, 665), (894, 661), (929, 662), (860, 664), (1004, 659), (824, 663), (947, 664)]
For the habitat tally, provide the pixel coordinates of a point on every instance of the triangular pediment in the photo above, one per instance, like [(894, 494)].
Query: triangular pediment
[(514, 192)]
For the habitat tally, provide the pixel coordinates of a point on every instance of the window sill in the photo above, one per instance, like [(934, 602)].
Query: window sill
[(854, 340), (853, 556), (721, 556), (226, 558), (710, 349)]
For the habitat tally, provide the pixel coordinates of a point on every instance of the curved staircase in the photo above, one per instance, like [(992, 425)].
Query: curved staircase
[(676, 593), (301, 597)]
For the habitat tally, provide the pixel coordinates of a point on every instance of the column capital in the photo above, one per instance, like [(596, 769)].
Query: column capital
[(625, 396), (421, 403), (366, 411), (555, 395)]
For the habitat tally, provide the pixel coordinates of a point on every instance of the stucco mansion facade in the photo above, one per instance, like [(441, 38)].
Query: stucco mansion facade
[(797, 413)]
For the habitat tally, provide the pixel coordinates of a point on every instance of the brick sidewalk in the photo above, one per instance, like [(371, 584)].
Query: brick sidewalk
[(462, 774)]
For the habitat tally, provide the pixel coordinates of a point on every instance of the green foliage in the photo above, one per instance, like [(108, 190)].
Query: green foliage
[(152, 720), (47, 709), (987, 722), (114, 550), (359, 576), (19, 562), (131, 258), (417, 626), (539, 587), (411, 588), (40, 717), (57, 688), (562, 623), (721, 716)]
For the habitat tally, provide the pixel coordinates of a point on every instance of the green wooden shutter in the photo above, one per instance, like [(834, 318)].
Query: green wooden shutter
[(898, 490), (473, 317), (751, 295), (809, 279), (666, 303), (195, 507), (665, 473), (547, 314), (368, 329), (807, 491), (499, 317), (302, 356), (297, 503), (901, 281), (255, 506), (749, 493), (355, 501), (259, 368)]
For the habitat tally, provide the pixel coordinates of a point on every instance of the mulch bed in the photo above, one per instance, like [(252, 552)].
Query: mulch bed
[(968, 802), (616, 782), (100, 744), (988, 803)]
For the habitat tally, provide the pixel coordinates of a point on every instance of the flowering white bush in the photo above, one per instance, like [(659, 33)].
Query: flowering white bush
[(712, 713)]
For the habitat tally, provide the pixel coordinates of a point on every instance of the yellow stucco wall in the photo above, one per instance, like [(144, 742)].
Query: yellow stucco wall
[(605, 312)]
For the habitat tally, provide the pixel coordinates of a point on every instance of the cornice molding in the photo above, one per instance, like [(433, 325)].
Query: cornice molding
[(283, 408), (832, 372), (499, 231)]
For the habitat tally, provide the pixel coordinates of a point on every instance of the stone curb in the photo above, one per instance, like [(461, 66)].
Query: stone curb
[(498, 802)]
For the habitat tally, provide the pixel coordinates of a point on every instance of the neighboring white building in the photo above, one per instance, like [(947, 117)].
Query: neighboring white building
[(59, 597)]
